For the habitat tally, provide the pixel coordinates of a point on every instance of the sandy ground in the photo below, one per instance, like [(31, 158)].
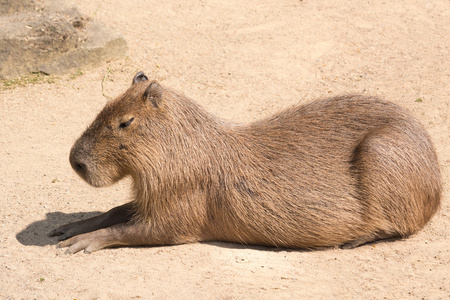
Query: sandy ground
[(241, 60)]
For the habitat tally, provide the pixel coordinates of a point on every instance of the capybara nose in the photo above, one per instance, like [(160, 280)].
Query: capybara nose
[(79, 167)]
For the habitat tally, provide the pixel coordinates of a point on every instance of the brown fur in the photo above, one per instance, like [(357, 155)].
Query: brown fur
[(335, 172)]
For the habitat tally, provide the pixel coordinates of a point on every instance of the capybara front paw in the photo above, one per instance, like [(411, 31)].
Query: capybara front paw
[(64, 232), (89, 242)]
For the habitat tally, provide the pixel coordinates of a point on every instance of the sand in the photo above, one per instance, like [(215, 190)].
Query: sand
[(241, 60)]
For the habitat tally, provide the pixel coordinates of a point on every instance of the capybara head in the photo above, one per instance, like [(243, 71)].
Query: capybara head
[(106, 151)]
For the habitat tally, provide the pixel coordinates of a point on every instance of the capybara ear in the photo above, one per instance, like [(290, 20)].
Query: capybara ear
[(153, 94), (139, 77)]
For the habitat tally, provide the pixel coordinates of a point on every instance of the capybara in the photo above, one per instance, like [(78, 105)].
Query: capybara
[(341, 171)]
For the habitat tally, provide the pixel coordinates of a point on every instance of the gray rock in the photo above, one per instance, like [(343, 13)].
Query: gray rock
[(15, 6), (53, 38)]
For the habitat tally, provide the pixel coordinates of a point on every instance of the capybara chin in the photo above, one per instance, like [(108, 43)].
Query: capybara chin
[(341, 171)]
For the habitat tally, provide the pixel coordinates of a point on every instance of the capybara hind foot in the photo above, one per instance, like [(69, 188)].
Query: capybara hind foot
[(366, 239)]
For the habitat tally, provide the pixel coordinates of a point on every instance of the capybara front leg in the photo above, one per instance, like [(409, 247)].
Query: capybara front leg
[(117, 215), (128, 234)]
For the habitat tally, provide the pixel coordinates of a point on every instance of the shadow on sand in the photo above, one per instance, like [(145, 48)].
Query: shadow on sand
[(36, 234)]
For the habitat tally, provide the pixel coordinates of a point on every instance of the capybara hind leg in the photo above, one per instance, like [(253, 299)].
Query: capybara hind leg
[(117, 215), (365, 239), (399, 185)]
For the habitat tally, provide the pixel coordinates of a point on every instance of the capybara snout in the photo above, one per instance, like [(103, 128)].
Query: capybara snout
[(79, 159), (340, 171), (98, 165)]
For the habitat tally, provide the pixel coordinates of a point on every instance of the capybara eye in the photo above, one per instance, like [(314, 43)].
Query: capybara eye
[(126, 124)]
